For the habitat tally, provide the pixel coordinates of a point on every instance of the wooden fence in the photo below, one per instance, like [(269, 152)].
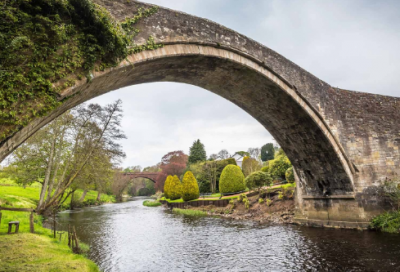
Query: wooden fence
[(31, 224)]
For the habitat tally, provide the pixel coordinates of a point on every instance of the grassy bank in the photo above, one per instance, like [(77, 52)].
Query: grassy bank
[(149, 203), (189, 212), (39, 251), (16, 196), (32, 252)]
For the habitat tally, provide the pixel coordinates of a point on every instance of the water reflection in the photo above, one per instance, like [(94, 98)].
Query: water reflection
[(131, 237)]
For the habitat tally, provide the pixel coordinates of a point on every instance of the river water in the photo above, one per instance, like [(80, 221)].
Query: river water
[(131, 237)]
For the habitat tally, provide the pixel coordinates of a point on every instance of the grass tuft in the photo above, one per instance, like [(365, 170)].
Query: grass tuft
[(149, 203), (189, 212)]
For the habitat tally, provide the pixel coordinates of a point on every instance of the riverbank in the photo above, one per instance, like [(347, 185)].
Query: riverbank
[(276, 206), (279, 211), (34, 252), (40, 251)]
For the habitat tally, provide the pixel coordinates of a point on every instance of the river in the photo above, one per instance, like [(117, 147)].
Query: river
[(131, 237)]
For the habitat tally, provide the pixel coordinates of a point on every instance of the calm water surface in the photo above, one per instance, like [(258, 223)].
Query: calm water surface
[(131, 237)]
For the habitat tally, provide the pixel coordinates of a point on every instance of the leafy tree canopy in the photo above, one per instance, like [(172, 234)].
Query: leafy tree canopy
[(267, 152), (197, 152)]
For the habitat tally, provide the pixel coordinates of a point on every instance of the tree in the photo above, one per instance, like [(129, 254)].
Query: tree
[(232, 180), (213, 157), (250, 165), (175, 190), (64, 154), (120, 182), (190, 188), (223, 154), (173, 163), (279, 166), (267, 152), (258, 180), (290, 175), (197, 152), (254, 153)]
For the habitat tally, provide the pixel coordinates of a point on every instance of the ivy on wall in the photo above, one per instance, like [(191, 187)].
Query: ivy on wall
[(46, 45)]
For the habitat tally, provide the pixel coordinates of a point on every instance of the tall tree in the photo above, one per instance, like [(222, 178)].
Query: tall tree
[(254, 153), (267, 152), (77, 150), (224, 154), (197, 152), (173, 163)]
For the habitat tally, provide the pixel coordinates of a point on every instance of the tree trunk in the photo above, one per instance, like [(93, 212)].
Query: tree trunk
[(98, 196), (48, 172), (83, 195), (71, 203)]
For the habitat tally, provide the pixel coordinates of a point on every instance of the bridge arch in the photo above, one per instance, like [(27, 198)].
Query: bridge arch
[(341, 143), (315, 153), (148, 175)]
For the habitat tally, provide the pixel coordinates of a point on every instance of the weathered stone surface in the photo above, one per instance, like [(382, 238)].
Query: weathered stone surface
[(342, 143)]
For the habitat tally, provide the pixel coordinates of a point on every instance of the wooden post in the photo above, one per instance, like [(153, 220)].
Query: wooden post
[(31, 225), (69, 236), (54, 224), (76, 240), (0, 217)]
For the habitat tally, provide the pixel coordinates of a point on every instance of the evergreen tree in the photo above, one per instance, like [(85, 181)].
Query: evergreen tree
[(267, 152), (197, 152)]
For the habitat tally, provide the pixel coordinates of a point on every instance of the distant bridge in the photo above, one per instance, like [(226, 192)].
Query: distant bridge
[(149, 175)]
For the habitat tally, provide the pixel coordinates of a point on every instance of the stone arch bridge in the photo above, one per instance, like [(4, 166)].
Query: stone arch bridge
[(148, 175), (342, 143)]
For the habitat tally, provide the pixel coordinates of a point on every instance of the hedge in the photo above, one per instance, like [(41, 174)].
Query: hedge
[(190, 188), (175, 190), (232, 180)]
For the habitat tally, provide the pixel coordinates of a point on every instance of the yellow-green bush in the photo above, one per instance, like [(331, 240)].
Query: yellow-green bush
[(231, 180), (175, 190), (167, 186), (290, 175), (190, 188)]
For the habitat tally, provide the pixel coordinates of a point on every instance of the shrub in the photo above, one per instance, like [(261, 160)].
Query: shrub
[(246, 203), (232, 180), (279, 166), (167, 186), (387, 222), (290, 175), (265, 169), (260, 200), (257, 180), (231, 161), (175, 189), (190, 188), (268, 202)]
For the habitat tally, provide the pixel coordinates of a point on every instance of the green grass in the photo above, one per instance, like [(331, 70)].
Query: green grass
[(19, 197), (387, 222), (32, 252), (149, 203), (189, 212)]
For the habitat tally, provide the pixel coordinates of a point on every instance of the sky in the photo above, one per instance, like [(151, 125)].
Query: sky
[(354, 45)]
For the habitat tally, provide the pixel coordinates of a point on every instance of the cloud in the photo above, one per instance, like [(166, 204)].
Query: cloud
[(349, 44)]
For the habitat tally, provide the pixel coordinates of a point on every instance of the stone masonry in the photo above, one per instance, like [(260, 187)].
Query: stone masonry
[(343, 144)]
